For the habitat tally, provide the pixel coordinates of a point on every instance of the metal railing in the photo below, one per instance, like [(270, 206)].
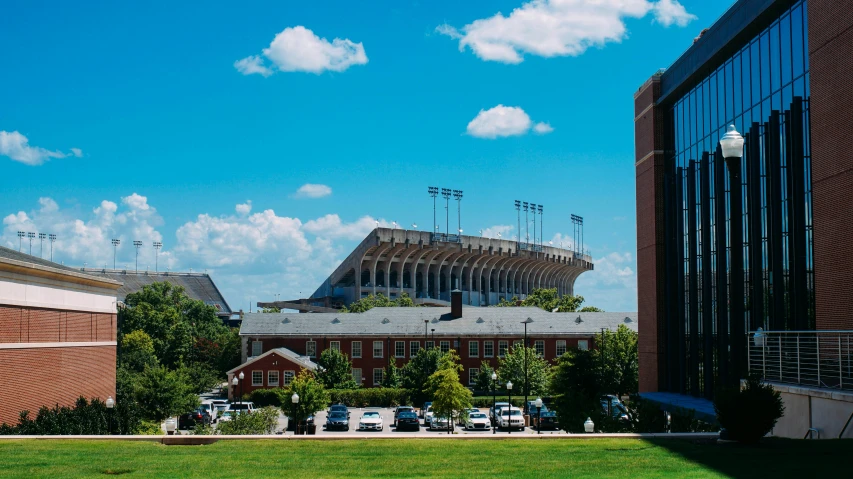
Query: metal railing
[(446, 238), (821, 359)]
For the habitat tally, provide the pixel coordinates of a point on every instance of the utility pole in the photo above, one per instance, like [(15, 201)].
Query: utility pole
[(433, 192), (157, 246), (116, 242), (445, 193), (137, 244)]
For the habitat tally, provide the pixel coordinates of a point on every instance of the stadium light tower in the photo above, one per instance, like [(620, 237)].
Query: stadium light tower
[(445, 193), (541, 238), (433, 192), (52, 239), (31, 236), (526, 223), (577, 221), (137, 244), (518, 209), (533, 210), (457, 194), (116, 242), (157, 246), (21, 235), (42, 237)]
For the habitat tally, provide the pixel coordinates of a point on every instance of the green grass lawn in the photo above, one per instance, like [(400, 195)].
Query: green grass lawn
[(427, 458)]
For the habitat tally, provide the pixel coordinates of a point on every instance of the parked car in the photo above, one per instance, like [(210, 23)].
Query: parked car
[(439, 423), (190, 419), (339, 408), (549, 417), (477, 421), (422, 413), (428, 415), (617, 410), (493, 416), (225, 416), (463, 415), (401, 409), (247, 406), (337, 420), (511, 418), (408, 420), (211, 410), (220, 406), (370, 421)]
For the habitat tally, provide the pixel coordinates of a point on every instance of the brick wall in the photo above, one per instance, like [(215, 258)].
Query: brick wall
[(34, 325), (830, 32), (649, 173), (49, 376)]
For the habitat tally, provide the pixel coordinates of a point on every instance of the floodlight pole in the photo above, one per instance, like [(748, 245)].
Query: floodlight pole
[(445, 193), (137, 244), (115, 242), (21, 235), (526, 224), (458, 195), (157, 246), (533, 209), (433, 192), (42, 237), (541, 237), (518, 209), (31, 236), (52, 238)]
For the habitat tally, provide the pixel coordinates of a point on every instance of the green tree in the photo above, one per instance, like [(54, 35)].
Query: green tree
[(590, 309), (312, 396), (450, 398), (137, 351), (263, 421), (511, 368), (617, 356), (271, 310), (379, 301), (162, 393), (336, 370), (549, 300), (417, 371), (391, 378), (576, 390), (484, 378)]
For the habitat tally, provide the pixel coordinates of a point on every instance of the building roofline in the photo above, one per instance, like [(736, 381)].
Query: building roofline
[(293, 357), (56, 273)]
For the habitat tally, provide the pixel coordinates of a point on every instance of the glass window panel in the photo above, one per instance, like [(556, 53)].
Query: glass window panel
[(712, 102), (776, 101), (755, 65), (737, 90), (729, 87), (706, 108), (805, 38), (764, 58), (787, 96), (745, 81), (785, 42), (799, 89), (797, 41), (775, 55)]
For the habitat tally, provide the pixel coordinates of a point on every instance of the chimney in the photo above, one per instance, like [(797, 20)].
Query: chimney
[(455, 304)]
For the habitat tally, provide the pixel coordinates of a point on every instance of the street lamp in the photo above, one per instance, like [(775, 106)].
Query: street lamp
[(588, 425), (538, 415), (731, 145), (241, 376), (494, 399), (110, 405), (509, 409), (295, 400), (525, 323)]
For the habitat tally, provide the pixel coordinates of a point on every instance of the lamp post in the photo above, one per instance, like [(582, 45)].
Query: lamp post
[(433, 337), (295, 400), (235, 382), (426, 333), (731, 145), (509, 410), (525, 322), (588, 425), (538, 415), (110, 405), (494, 401), (241, 376)]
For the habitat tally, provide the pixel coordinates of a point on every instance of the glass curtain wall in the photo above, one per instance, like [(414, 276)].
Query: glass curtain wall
[(763, 90)]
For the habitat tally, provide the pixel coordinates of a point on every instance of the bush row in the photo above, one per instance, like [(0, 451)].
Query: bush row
[(365, 397)]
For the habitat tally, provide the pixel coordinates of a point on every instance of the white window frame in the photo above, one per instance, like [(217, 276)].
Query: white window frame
[(336, 345), (381, 373), (472, 376), (444, 346), (430, 344), (539, 345), (356, 376), (503, 345), (475, 352), (270, 376), (561, 346), (516, 342), (257, 348), (583, 344), (311, 349), (356, 345), (399, 346), (289, 376), (380, 349), (257, 374), (414, 347), (487, 345)]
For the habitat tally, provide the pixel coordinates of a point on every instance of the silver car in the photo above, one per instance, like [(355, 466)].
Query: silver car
[(439, 423)]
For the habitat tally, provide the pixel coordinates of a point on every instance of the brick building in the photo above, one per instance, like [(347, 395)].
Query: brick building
[(726, 246), (57, 335), (371, 339)]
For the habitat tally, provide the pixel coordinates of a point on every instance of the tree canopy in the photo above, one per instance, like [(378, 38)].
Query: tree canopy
[(450, 397), (335, 370), (549, 300), (312, 396), (617, 355), (379, 301), (511, 368)]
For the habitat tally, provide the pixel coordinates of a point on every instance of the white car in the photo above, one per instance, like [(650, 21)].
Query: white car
[(439, 423), (370, 421), (511, 418), (428, 416), (225, 417), (247, 406), (477, 420)]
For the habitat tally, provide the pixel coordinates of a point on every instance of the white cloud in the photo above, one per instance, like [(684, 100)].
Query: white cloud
[(244, 208), (310, 190), (298, 49), (77, 152), (492, 232), (331, 226), (17, 147), (670, 12), (612, 285), (550, 28), (502, 121), (252, 64), (543, 128)]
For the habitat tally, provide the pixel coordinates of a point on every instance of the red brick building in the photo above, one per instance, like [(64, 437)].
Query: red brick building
[(57, 335), (371, 339)]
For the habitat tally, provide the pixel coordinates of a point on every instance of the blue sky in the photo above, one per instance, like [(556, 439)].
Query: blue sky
[(138, 122)]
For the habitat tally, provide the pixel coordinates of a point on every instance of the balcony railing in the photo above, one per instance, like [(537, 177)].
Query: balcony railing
[(822, 359)]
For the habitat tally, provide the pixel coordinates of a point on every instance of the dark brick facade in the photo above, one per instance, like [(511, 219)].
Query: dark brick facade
[(830, 31)]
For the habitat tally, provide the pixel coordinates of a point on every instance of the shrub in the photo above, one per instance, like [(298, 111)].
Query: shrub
[(266, 397), (149, 428), (371, 397), (262, 421), (486, 401), (748, 414)]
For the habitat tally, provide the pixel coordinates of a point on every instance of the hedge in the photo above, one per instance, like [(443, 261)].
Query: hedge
[(372, 397)]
